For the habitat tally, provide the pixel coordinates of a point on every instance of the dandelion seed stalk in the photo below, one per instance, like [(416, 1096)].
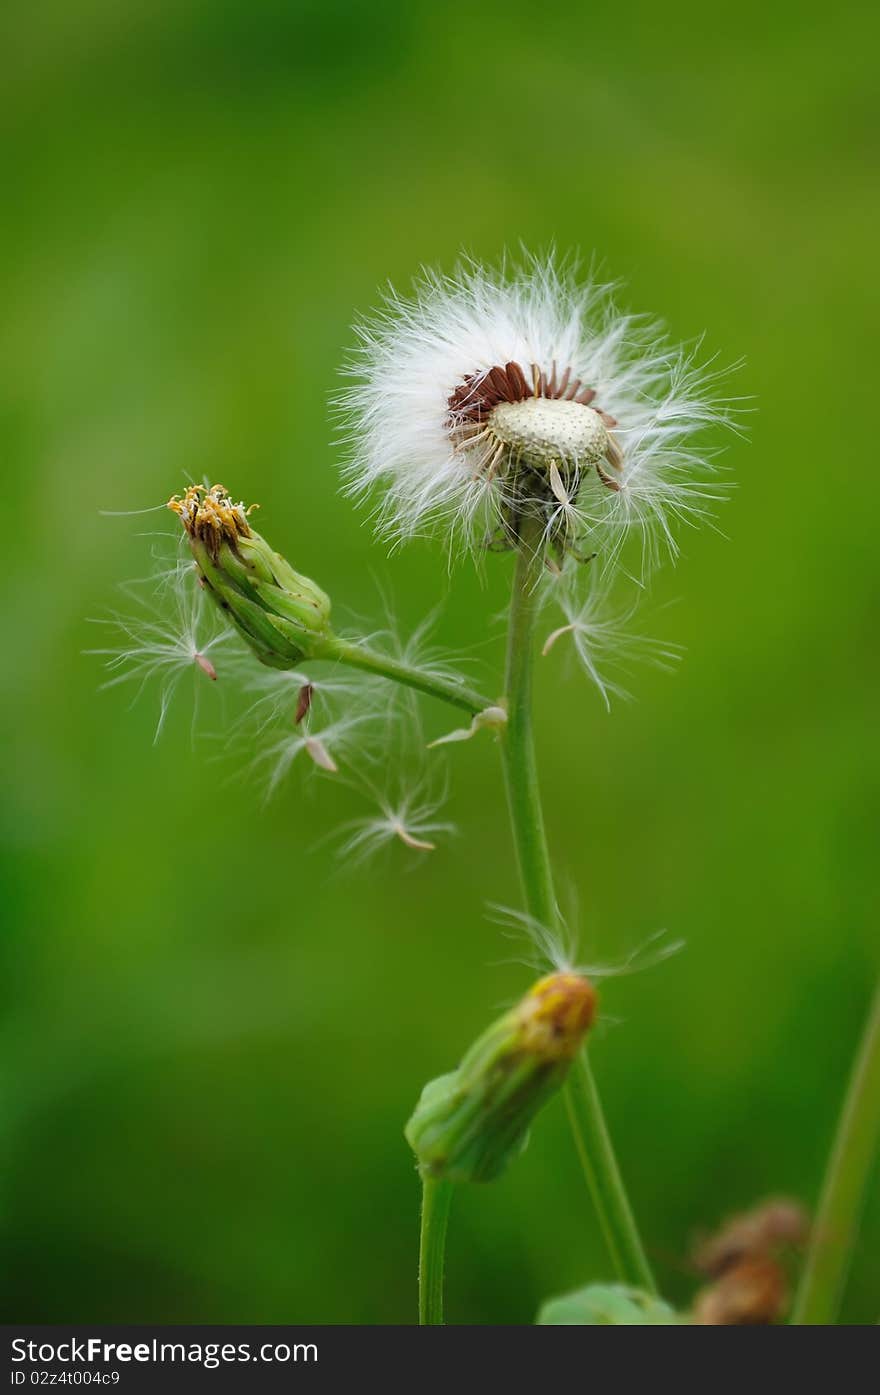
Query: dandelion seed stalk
[(843, 1193), (592, 1139)]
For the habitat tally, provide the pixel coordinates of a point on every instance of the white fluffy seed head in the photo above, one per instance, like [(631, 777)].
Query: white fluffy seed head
[(483, 370)]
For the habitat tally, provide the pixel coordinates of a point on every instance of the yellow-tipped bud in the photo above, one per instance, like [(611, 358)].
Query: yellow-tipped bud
[(470, 1124), (555, 1015)]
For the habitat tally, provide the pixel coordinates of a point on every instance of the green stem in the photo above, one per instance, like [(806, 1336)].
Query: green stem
[(436, 1200), (527, 820), (518, 746), (446, 689), (593, 1143), (846, 1180)]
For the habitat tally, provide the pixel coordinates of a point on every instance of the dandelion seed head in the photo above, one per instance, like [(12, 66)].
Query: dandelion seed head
[(489, 394), (326, 748)]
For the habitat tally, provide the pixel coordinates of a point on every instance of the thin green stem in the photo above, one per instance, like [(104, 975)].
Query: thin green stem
[(436, 1200), (446, 689), (593, 1143), (846, 1181), (588, 1124)]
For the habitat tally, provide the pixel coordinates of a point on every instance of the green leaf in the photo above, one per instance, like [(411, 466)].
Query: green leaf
[(607, 1305)]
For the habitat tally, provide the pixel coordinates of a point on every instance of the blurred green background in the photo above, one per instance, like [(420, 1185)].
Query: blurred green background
[(212, 1033)]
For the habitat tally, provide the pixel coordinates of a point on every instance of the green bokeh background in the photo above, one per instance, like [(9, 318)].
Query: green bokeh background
[(212, 1033)]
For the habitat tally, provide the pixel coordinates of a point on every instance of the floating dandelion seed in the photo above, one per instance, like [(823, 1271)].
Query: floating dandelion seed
[(326, 718), (287, 697), (298, 714), (326, 748), (410, 817), (172, 634), (491, 397), (601, 636)]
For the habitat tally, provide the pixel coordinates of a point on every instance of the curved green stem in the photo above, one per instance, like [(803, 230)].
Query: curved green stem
[(584, 1107), (446, 689), (436, 1200), (846, 1180)]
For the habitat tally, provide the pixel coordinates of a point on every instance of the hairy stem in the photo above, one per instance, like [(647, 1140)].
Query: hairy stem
[(436, 1200), (846, 1180), (446, 689), (588, 1124)]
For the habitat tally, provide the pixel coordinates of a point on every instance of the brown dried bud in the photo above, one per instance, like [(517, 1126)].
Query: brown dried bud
[(773, 1225), (753, 1293)]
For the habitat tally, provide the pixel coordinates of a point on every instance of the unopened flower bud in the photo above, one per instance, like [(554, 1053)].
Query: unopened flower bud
[(470, 1124), (283, 616)]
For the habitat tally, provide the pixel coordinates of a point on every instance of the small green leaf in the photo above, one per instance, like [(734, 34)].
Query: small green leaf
[(606, 1305)]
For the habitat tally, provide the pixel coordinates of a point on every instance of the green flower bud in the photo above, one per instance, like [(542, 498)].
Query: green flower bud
[(283, 616), (607, 1305), (470, 1124)]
